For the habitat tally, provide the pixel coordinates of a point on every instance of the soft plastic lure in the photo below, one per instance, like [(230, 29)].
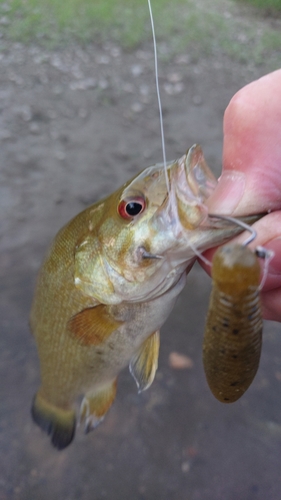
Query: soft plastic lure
[(233, 333)]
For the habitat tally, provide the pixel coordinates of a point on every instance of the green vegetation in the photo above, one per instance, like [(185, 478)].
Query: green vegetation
[(54, 21), (201, 27), (268, 6)]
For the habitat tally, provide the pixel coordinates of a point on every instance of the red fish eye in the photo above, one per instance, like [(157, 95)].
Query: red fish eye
[(128, 209)]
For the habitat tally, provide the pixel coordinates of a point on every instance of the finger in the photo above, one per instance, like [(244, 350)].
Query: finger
[(251, 178), (271, 305), (268, 231)]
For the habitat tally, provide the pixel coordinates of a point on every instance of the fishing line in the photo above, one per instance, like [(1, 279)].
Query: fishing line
[(243, 225), (158, 96), (240, 223), (261, 252), (200, 255)]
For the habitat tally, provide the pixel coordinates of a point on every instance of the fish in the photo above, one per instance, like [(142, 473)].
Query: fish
[(233, 333), (108, 283)]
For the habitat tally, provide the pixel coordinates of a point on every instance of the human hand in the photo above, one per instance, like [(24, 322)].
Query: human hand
[(251, 178)]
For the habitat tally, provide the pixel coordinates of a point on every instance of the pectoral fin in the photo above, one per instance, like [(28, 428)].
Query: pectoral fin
[(144, 364), (58, 423), (95, 406), (93, 326)]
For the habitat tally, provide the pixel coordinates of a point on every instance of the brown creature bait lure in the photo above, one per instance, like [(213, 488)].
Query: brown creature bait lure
[(233, 333)]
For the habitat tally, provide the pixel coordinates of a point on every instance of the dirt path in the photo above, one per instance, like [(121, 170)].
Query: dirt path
[(74, 124)]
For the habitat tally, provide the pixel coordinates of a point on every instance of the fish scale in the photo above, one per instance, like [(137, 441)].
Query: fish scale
[(109, 282)]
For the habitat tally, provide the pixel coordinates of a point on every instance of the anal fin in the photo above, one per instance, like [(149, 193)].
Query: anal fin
[(94, 406), (144, 363), (58, 423), (93, 326)]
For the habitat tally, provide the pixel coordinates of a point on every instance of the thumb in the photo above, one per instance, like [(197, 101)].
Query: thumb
[(251, 178)]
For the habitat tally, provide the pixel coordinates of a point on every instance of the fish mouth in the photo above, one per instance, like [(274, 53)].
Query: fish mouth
[(191, 182), (199, 177), (184, 212)]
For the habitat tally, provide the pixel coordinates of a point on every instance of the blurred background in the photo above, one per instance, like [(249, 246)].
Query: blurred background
[(79, 117)]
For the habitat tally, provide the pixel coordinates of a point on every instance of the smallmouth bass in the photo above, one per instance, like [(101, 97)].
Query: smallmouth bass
[(109, 282)]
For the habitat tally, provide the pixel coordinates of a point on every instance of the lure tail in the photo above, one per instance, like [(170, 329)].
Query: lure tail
[(59, 424)]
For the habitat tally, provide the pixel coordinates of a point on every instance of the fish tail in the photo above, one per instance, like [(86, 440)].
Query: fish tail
[(58, 423)]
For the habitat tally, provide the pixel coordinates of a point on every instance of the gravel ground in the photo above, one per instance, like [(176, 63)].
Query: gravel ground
[(74, 124)]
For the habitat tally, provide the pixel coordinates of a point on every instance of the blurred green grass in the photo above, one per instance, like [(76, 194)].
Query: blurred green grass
[(54, 21), (199, 26), (268, 6)]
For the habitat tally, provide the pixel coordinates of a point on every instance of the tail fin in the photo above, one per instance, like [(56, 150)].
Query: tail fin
[(57, 423)]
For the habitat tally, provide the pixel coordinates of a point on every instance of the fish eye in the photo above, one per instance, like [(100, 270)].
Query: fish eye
[(129, 208)]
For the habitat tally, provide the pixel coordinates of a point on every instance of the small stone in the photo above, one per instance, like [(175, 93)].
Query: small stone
[(136, 107), (144, 89), (192, 451), (5, 7), (40, 58), (142, 54), (174, 77), (52, 114), (103, 84), (115, 52), (243, 38), (57, 89), (17, 79), (76, 72), (197, 100), (5, 135), (173, 88), (83, 113), (103, 59), (34, 128), (4, 20), (86, 83), (128, 87), (182, 59), (43, 78), (180, 361), (185, 467), (136, 69), (24, 112), (60, 155)]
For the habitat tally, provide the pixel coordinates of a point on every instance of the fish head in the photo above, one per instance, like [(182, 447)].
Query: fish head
[(143, 237)]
